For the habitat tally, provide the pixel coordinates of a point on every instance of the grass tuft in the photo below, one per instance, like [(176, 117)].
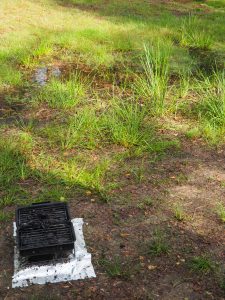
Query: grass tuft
[(221, 212), (192, 37), (201, 264), (179, 213), (125, 124), (82, 130), (158, 245), (115, 268), (63, 94), (153, 86), (193, 133), (211, 107), (146, 202)]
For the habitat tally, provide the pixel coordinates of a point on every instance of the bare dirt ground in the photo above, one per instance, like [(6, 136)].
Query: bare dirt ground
[(119, 232)]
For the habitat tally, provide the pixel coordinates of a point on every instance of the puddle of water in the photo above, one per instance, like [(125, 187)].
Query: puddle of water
[(42, 74)]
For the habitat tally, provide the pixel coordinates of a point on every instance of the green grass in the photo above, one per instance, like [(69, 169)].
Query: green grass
[(153, 86), (179, 213), (115, 268), (10, 76), (221, 212), (12, 166), (43, 49), (146, 203), (139, 172), (193, 133), (183, 87), (201, 264), (127, 125), (211, 107), (63, 94), (7, 200), (92, 177), (158, 245), (5, 216), (82, 130), (193, 36), (131, 89), (52, 193), (216, 3)]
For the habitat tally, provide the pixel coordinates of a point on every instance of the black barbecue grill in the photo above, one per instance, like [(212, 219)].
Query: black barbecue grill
[(44, 229)]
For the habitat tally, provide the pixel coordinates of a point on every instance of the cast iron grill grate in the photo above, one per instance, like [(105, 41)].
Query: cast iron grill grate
[(44, 229)]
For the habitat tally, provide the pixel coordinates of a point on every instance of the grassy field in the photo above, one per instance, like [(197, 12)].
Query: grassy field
[(118, 107)]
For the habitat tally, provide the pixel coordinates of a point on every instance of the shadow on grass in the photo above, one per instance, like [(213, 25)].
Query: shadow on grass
[(22, 185)]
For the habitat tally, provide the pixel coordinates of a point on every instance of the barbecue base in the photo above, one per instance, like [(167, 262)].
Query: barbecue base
[(77, 264)]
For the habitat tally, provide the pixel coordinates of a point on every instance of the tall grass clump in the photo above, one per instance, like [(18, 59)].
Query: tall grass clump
[(82, 130), (125, 124), (211, 107), (158, 245), (63, 94), (153, 85), (193, 36)]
